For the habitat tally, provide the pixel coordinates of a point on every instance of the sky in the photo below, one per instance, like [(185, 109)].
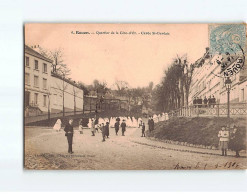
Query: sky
[(135, 58)]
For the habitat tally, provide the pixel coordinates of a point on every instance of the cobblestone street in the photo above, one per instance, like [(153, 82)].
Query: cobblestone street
[(47, 149)]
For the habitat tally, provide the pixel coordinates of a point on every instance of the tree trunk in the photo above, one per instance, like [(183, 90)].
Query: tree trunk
[(63, 100), (74, 102)]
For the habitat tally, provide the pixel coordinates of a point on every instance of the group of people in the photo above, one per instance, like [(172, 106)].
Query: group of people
[(206, 102), (104, 124), (230, 137)]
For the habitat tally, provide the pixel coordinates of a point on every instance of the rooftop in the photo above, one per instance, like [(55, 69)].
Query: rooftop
[(32, 52)]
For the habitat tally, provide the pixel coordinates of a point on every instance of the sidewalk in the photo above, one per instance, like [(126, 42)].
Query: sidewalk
[(156, 143)]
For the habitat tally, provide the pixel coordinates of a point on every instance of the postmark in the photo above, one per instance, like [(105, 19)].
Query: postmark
[(227, 45)]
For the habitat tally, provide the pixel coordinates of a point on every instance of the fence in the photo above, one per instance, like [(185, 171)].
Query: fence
[(91, 104), (236, 109)]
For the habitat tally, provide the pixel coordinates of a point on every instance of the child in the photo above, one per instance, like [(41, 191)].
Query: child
[(116, 126), (102, 128), (224, 139)]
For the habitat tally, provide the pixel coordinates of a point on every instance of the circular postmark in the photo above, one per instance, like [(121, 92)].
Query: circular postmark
[(227, 45)]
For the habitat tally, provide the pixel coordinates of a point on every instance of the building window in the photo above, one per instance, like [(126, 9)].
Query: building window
[(44, 103), (27, 61), (36, 81), (36, 95), (27, 79), (36, 65), (44, 83), (44, 68)]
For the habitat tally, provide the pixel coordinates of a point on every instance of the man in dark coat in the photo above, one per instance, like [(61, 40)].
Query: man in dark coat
[(213, 101), (107, 133), (143, 130), (123, 125), (209, 101), (205, 101), (149, 124), (69, 131), (236, 141), (116, 125)]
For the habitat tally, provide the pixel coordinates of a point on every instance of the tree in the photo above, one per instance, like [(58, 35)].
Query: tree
[(121, 87), (56, 56)]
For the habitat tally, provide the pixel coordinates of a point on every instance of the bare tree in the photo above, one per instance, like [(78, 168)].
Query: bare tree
[(121, 87)]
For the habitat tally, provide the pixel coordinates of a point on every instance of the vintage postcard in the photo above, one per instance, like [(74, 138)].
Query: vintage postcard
[(135, 96)]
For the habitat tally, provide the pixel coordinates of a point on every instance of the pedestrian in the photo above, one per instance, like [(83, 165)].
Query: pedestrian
[(58, 125), (123, 125), (149, 124), (93, 127), (107, 132), (152, 124), (143, 130), (236, 141), (80, 126), (69, 131), (103, 131), (224, 139), (209, 101), (205, 101), (213, 101), (116, 125), (194, 102)]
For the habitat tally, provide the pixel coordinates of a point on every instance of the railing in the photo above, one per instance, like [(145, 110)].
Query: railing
[(236, 109)]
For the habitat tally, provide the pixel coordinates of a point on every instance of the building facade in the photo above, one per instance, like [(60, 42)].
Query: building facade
[(206, 82), (37, 79), (46, 91), (65, 92)]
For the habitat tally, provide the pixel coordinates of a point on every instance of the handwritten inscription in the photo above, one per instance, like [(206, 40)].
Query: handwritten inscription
[(199, 165)]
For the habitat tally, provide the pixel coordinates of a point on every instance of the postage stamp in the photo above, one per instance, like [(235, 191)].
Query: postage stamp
[(227, 41)]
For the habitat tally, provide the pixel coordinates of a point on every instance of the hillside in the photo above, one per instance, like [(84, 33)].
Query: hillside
[(196, 131)]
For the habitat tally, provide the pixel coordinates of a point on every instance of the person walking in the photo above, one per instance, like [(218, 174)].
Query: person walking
[(235, 142), (224, 139), (107, 132), (69, 131), (143, 130), (103, 131), (116, 125), (123, 125), (93, 127)]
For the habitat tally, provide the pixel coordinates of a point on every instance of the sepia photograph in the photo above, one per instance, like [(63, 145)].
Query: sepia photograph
[(134, 96)]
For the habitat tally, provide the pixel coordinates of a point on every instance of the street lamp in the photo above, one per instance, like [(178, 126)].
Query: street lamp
[(228, 83)]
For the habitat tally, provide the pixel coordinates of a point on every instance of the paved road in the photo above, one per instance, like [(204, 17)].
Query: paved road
[(47, 149)]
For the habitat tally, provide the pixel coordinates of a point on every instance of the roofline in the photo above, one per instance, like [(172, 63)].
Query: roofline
[(36, 54)]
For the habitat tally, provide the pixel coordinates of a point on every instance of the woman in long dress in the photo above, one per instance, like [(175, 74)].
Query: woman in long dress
[(112, 122), (58, 125), (89, 123)]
